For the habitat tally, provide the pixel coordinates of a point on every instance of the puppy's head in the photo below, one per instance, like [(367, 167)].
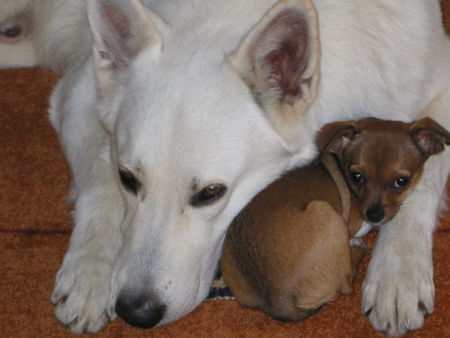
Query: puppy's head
[(196, 130), (382, 161)]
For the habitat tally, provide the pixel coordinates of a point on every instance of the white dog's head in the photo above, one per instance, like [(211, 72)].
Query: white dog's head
[(200, 122)]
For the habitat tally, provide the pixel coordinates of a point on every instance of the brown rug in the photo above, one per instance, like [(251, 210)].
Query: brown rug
[(35, 228)]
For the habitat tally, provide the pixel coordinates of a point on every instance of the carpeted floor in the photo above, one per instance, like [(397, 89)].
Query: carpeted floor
[(35, 229)]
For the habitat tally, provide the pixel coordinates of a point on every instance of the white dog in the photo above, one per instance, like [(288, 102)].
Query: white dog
[(173, 114)]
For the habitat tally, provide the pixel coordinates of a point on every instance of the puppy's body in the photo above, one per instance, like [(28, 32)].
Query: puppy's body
[(287, 253), (183, 96)]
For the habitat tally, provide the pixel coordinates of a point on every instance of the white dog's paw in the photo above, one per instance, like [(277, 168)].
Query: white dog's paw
[(398, 293), (82, 294)]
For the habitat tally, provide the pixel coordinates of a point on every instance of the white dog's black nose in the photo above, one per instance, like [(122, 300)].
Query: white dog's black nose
[(142, 310)]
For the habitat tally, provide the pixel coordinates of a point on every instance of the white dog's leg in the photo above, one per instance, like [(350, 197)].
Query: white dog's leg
[(82, 288), (398, 291)]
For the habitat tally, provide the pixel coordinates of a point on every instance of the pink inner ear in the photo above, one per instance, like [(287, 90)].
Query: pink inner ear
[(286, 39), (116, 32), (429, 142), (337, 145), (117, 19)]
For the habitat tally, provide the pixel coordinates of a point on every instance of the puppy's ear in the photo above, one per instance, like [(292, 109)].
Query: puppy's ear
[(279, 60), (429, 136), (334, 137), (120, 30)]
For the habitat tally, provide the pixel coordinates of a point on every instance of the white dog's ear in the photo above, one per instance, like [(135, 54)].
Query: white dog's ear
[(279, 59), (120, 29)]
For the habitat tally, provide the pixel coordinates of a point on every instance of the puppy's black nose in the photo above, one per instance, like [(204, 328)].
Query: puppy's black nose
[(140, 310), (375, 214)]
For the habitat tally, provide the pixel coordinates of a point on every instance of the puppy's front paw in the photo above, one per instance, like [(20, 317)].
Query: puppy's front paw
[(358, 242), (398, 292), (82, 294)]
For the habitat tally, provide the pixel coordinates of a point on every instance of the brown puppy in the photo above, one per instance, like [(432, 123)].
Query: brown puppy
[(382, 161), (287, 253)]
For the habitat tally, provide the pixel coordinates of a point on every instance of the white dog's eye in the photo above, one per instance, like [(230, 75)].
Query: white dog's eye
[(128, 180), (12, 31), (208, 195)]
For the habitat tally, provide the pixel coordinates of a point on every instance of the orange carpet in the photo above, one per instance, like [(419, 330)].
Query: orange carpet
[(35, 229)]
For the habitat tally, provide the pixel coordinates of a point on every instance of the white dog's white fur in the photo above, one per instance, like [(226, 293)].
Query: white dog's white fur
[(181, 95)]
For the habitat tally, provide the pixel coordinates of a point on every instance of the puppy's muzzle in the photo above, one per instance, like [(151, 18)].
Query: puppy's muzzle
[(141, 310)]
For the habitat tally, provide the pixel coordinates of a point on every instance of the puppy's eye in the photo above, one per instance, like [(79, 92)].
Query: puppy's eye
[(128, 180), (357, 177), (208, 195), (401, 182)]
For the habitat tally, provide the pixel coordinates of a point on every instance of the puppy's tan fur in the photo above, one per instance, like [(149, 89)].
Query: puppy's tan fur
[(287, 253)]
